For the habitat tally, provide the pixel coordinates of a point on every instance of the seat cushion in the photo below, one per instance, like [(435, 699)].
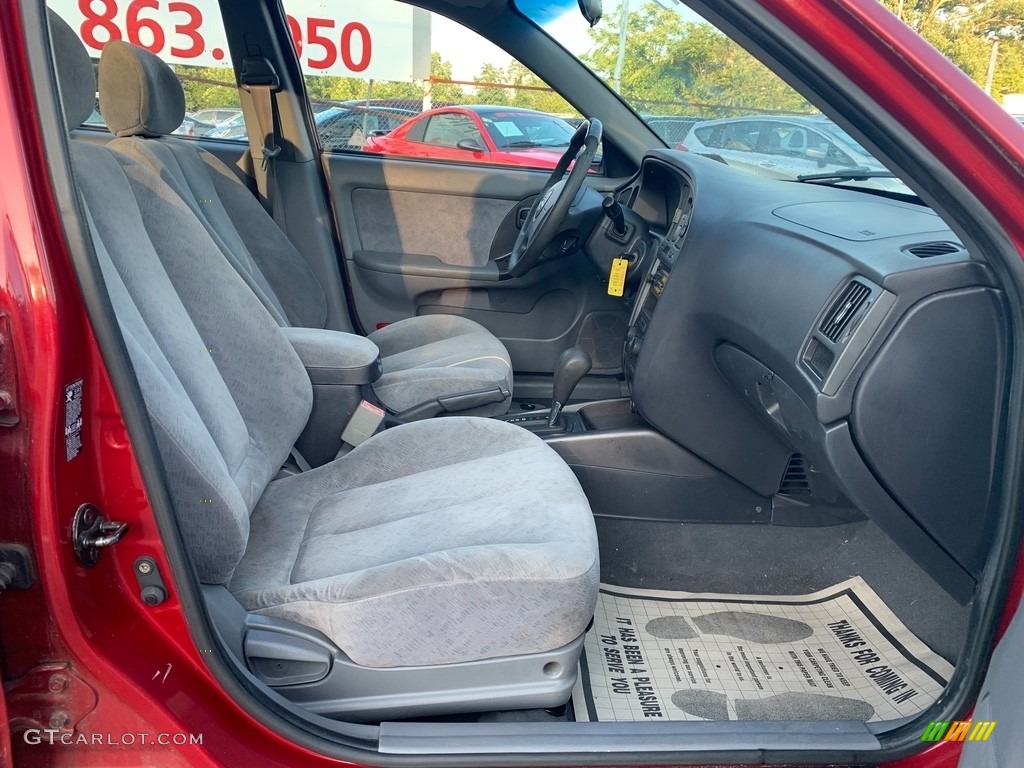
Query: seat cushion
[(435, 355), (435, 542)]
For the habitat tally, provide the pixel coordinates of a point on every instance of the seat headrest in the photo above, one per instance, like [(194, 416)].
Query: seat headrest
[(76, 78), (139, 94)]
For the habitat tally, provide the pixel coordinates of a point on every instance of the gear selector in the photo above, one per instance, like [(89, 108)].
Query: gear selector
[(572, 366)]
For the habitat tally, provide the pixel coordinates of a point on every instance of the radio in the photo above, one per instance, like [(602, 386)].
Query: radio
[(647, 300)]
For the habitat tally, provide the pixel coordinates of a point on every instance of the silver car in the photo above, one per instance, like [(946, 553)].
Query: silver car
[(779, 147)]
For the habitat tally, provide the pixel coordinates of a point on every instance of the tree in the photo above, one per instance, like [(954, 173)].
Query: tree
[(208, 87), (517, 86), (327, 88), (530, 92), (444, 93), (491, 74), (939, 18), (675, 66), (967, 32)]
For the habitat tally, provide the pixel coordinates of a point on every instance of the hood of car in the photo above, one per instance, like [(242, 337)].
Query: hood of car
[(535, 153)]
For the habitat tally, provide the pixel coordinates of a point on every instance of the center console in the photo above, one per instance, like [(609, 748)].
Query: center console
[(626, 467), (665, 256)]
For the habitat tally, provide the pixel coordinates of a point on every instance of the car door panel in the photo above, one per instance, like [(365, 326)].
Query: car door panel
[(423, 238), (455, 229)]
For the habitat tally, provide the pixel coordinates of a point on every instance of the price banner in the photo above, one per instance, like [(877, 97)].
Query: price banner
[(348, 38)]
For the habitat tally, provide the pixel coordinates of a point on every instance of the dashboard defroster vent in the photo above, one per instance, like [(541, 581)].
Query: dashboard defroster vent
[(927, 250), (843, 310)]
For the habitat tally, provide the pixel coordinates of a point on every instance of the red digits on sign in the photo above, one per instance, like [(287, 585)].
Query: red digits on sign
[(104, 20), (353, 35), (296, 32), (134, 25), (350, 33), (347, 32), (189, 29), (314, 38)]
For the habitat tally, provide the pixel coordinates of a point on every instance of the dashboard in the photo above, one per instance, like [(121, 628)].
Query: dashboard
[(777, 319)]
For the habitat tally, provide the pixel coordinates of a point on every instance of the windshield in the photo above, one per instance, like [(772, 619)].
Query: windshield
[(524, 129), (847, 139), (702, 93)]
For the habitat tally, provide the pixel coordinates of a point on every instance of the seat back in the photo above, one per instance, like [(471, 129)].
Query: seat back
[(226, 394), (142, 102)]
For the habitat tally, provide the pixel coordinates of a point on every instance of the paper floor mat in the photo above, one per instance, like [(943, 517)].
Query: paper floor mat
[(838, 654)]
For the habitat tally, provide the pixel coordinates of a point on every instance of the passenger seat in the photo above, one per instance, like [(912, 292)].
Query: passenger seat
[(423, 358), (441, 566)]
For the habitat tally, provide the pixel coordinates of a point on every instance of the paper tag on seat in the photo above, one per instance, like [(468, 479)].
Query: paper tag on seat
[(363, 424), (617, 277)]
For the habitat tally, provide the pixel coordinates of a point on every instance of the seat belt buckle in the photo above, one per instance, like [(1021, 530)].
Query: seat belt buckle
[(363, 423), (269, 153)]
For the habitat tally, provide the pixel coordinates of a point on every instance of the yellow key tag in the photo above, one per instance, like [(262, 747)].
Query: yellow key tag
[(617, 278)]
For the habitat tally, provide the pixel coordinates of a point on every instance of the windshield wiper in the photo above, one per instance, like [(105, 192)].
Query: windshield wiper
[(853, 174)]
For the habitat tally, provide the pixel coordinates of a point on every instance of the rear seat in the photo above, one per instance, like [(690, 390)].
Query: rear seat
[(423, 358), (423, 546)]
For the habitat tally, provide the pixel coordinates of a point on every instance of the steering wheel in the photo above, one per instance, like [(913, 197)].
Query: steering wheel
[(550, 209)]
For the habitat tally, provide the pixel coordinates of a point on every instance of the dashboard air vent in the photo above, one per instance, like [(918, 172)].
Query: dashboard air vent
[(927, 250), (843, 310)]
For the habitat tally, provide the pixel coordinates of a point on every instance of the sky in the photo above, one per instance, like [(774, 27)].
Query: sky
[(467, 51)]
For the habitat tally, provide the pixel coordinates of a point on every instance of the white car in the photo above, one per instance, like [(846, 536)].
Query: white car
[(781, 147), (216, 115)]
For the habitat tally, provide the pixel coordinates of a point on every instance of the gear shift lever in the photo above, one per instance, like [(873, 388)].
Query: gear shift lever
[(572, 366)]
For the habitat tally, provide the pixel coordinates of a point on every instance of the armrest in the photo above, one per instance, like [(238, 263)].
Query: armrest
[(420, 265), (334, 357)]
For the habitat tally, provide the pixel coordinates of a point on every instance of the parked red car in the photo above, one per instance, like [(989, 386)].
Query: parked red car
[(478, 133), (332, 458)]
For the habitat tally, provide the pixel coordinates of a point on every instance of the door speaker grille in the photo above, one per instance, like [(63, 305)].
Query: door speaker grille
[(602, 336)]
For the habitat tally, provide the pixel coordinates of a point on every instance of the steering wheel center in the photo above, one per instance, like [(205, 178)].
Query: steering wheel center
[(549, 213)]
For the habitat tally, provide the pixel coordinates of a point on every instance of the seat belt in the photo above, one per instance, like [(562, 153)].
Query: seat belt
[(260, 80), (300, 460)]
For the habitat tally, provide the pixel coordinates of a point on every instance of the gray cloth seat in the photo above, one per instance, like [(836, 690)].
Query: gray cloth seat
[(424, 545), (422, 357), (435, 355), (444, 534)]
